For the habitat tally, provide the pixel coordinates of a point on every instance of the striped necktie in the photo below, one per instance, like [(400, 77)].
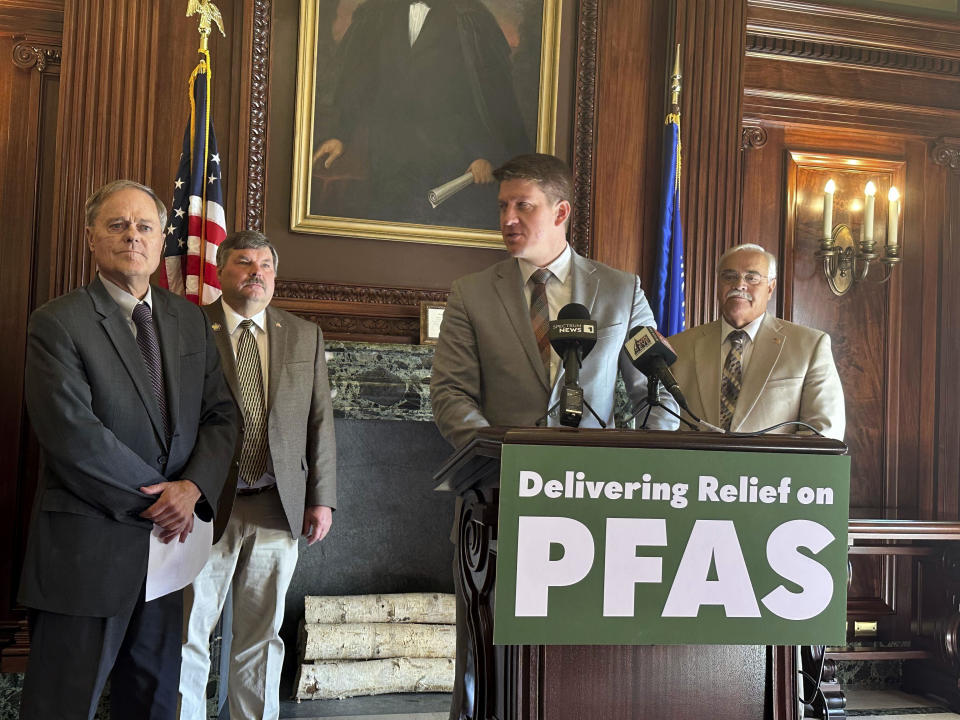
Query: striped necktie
[(253, 455), (540, 314), (150, 351), (732, 377)]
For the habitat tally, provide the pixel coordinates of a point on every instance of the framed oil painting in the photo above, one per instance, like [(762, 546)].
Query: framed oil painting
[(404, 108)]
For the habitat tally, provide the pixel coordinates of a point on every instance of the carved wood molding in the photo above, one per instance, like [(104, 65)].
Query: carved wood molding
[(946, 152), (752, 137), (364, 329), (785, 106), (336, 292), (358, 312), (28, 54), (852, 54), (584, 128), (257, 139)]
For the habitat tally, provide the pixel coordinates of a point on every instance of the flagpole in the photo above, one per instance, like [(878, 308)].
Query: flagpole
[(209, 14), (675, 86)]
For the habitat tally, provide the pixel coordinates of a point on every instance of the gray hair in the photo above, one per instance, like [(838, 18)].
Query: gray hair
[(753, 247), (92, 206), (244, 240)]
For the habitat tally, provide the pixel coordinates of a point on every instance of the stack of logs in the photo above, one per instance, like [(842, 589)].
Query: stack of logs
[(374, 644)]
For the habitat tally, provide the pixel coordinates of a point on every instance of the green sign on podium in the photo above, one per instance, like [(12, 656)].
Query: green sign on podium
[(629, 546)]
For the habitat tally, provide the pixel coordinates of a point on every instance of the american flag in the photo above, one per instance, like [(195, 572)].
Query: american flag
[(196, 227)]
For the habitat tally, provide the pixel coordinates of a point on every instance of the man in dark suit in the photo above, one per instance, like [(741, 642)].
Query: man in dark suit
[(137, 428), (282, 485)]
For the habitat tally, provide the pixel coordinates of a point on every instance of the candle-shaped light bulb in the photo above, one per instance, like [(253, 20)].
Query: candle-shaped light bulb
[(893, 216), (870, 190), (828, 208)]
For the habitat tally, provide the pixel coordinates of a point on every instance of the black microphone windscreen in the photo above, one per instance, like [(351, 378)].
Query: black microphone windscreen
[(573, 311)]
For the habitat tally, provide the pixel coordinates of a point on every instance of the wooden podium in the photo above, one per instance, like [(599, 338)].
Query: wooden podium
[(609, 682)]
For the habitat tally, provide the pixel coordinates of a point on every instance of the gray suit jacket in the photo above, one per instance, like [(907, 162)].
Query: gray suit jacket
[(299, 414), (487, 369), (101, 433), (791, 376)]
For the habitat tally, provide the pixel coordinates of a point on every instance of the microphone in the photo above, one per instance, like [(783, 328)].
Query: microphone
[(572, 335), (652, 355)]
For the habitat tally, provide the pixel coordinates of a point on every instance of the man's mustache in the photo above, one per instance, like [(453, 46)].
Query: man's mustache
[(735, 293), (254, 282)]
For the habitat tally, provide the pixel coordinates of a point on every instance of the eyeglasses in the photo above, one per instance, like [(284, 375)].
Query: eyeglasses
[(732, 277)]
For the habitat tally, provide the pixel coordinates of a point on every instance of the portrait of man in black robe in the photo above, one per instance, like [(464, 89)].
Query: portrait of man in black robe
[(414, 95)]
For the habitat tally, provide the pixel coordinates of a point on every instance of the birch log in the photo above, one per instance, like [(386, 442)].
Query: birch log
[(335, 680), (401, 607), (363, 641)]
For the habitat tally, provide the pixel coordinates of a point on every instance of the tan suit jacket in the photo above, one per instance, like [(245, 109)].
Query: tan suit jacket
[(487, 369), (299, 414), (791, 376)]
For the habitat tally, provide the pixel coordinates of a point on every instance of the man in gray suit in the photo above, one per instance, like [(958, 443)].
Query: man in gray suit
[(493, 364), (489, 367), (283, 482), (750, 370), (137, 428)]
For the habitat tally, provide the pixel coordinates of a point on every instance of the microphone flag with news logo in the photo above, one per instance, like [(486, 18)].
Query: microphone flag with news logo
[(652, 355), (572, 335)]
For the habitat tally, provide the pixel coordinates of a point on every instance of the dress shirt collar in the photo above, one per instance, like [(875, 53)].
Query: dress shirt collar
[(234, 319), (125, 300), (560, 268), (750, 328)]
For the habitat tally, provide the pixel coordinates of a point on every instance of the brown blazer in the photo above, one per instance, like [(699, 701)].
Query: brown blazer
[(299, 415)]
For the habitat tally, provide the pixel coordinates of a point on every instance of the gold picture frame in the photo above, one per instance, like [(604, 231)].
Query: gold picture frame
[(314, 204), (431, 315)]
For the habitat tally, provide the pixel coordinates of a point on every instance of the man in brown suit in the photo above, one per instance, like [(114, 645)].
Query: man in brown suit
[(282, 484)]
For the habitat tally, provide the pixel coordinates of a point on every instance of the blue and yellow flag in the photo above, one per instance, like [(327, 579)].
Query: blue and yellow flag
[(669, 306)]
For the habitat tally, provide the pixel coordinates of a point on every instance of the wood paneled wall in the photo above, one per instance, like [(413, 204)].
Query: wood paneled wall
[(762, 79), (30, 56)]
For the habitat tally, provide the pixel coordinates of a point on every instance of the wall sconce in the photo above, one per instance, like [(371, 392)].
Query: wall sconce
[(845, 261)]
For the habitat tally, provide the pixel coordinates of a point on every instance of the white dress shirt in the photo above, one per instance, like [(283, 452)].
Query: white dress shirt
[(126, 301)]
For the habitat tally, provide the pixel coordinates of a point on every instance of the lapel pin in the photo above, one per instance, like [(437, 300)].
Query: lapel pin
[(278, 324), (217, 327)]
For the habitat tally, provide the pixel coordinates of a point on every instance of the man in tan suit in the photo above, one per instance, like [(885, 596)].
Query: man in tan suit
[(749, 370), (282, 483)]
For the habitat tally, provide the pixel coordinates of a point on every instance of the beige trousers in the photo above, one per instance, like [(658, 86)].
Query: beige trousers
[(256, 557)]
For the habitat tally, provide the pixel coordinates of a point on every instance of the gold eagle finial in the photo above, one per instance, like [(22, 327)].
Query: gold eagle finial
[(208, 12)]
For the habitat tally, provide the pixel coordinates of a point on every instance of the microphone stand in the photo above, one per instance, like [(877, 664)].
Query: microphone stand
[(553, 407), (653, 400)]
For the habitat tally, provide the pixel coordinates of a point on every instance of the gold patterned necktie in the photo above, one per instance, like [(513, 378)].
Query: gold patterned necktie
[(253, 455), (732, 377), (540, 314)]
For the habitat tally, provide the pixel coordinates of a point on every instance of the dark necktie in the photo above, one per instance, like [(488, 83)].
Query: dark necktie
[(253, 455), (540, 314), (150, 350), (732, 377)]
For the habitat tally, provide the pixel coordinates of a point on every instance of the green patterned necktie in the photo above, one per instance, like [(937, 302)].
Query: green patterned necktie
[(732, 377), (253, 455)]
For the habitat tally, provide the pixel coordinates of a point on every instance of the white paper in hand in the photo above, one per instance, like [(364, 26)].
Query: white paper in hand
[(173, 565)]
